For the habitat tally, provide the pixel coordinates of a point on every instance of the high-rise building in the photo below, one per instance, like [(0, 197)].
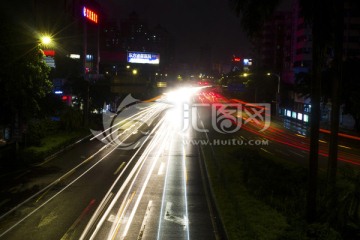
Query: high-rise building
[(302, 39), (351, 29), (274, 47)]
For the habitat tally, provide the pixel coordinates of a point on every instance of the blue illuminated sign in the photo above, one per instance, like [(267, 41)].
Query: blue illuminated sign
[(143, 57), (247, 62)]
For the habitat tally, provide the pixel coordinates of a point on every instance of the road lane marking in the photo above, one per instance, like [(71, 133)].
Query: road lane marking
[(263, 149), (144, 222), (67, 174), (243, 138), (282, 152), (42, 195), (300, 155), (137, 144), (119, 168), (118, 216), (322, 141), (161, 168), (164, 189), (71, 230), (127, 180), (112, 218), (186, 226), (143, 188), (103, 203), (47, 219), (342, 146), (51, 198), (170, 217)]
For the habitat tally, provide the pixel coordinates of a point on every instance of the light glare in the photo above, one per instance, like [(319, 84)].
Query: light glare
[(46, 40)]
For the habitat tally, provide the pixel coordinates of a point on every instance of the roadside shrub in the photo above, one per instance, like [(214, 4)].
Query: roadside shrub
[(342, 208), (71, 119), (50, 145), (38, 129), (281, 186), (318, 231)]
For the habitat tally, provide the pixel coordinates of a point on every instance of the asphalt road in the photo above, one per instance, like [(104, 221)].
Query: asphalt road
[(99, 190), (140, 181), (283, 138)]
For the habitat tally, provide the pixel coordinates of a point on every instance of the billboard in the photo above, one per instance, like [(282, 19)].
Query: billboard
[(143, 57)]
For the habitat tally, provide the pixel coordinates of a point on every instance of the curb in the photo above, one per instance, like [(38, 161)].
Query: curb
[(220, 230)]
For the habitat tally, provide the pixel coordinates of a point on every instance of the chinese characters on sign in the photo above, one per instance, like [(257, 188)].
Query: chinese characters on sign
[(89, 14), (143, 57)]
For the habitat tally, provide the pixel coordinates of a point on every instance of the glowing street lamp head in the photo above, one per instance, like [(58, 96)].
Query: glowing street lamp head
[(46, 40), (134, 71)]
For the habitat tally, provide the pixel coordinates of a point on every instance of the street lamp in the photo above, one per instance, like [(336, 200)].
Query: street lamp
[(277, 92), (247, 82), (45, 40)]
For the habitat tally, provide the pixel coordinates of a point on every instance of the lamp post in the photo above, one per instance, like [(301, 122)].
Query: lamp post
[(277, 92), (255, 88)]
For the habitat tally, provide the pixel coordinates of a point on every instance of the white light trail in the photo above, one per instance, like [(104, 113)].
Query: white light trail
[(116, 197)]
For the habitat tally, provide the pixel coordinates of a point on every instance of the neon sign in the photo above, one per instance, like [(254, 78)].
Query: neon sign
[(91, 15)]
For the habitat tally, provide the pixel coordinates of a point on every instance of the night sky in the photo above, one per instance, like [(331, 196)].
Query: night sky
[(192, 23)]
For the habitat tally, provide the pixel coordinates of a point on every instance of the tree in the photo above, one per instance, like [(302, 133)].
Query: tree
[(24, 76), (253, 14)]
